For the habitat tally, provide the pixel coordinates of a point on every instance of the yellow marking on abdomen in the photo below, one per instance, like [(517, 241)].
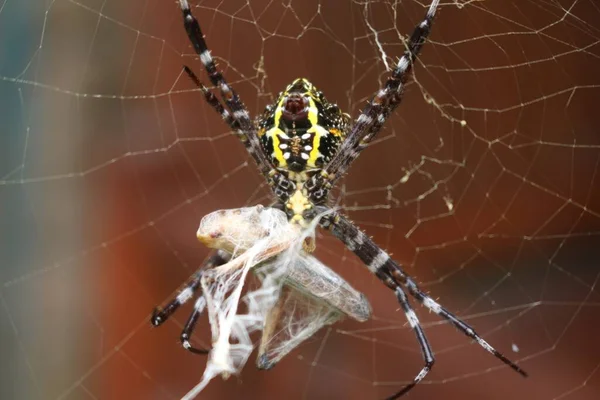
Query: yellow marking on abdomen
[(273, 133), (319, 132)]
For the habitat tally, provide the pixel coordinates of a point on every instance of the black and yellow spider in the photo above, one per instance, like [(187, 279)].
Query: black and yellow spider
[(302, 145)]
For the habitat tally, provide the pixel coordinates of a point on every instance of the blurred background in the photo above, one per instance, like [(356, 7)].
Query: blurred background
[(485, 184)]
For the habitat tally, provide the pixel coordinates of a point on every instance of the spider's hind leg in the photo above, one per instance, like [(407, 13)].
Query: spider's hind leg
[(458, 323), (426, 351), (394, 277)]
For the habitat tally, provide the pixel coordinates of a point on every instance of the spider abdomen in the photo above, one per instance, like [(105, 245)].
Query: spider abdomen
[(301, 131)]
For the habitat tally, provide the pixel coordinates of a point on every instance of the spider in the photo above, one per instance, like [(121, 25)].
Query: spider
[(302, 145)]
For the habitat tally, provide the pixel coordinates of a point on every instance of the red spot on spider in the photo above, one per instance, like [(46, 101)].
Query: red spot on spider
[(295, 107)]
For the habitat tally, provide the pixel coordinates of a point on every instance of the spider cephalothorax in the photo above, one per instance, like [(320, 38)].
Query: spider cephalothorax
[(302, 145)]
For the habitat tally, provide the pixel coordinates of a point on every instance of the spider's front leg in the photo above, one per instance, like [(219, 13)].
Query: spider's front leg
[(394, 277), (373, 116), (236, 114), (160, 315)]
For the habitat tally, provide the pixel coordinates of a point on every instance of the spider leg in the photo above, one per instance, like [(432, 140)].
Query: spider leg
[(159, 316), (413, 321), (394, 277), (196, 36), (374, 115), (190, 325), (212, 100), (459, 324), (246, 131)]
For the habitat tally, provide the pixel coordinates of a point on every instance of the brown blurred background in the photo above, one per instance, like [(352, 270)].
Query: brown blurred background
[(110, 158)]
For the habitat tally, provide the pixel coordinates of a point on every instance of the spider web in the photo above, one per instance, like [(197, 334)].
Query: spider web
[(484, 185)]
